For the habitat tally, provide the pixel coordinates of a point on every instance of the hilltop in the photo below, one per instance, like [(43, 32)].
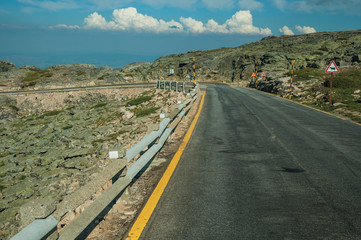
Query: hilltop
[(272, 54)]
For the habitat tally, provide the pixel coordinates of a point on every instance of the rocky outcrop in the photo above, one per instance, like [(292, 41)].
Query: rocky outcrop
[(6, 66), (59, 76), (272, 54)]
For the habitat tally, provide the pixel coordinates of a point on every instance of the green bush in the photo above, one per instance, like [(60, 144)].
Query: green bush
[(347, 79), (114, 136), (2, 187), (318, 53), (50, 114), (305, 74), (32, 77), (67, 127), (139, 100), (14, 107), (80, 73), (142, 112), (99, 105)]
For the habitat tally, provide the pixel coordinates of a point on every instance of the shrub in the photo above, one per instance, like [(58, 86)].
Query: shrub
[(14, 107), (32, 77), (50, 114), (347, 79), (139, 100), (67, 127), (99, 105), (142, 112), (2, 187), (307, 73)]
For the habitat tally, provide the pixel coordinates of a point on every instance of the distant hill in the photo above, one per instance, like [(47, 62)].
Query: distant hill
[(272, 54)]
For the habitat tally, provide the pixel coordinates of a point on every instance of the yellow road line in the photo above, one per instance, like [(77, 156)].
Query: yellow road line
[(147, 211)]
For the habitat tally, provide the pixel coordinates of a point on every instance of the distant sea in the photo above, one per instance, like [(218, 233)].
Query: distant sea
[(99, 60)]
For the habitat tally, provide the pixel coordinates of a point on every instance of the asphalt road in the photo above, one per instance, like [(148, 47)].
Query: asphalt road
[(260, 167), (126, 85)]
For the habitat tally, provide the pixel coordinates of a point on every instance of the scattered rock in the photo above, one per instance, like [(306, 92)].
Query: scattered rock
[(55, 142), (338, 104), (127, 115)]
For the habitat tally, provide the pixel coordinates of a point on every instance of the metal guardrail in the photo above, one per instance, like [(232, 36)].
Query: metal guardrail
[(124, 85), (178, 86), (43, 228), (134, 151)]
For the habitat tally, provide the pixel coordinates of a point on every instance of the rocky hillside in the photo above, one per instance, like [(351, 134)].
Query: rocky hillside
[(311, 54), (59, 76), (272, 55), (53, 143)]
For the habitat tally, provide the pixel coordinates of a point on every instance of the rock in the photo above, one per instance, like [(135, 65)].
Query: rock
[(36, 209), (6, 66), (320, 96), (72, 153), (30, 68), (338, 104), (357, 91), (127, 115)]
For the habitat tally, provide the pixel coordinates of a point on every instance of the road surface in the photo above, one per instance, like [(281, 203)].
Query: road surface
[(125, 85), (260, 167)]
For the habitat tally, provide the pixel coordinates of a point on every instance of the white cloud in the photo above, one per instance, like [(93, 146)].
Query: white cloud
[(192, 25), (250, 4), (213, 27), (242, 22), (96, 20), (280, 4), (128, 19), (286, 31), (52, 5), (219, 4), (305, 29), (65, 26)]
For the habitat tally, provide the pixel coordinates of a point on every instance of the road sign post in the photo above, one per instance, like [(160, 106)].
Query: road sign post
[(332, 68), (253, 79), (161, 72), (194, 70), (243, 66), (291, 87)]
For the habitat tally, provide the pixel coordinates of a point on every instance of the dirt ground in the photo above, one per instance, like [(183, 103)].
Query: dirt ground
[(118, 221)]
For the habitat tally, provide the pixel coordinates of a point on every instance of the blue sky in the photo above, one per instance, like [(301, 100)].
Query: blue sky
[(117, 32)]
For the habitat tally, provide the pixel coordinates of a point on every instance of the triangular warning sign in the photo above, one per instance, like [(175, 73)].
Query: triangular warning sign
[(263, 74), (332, 68), (253, 75)]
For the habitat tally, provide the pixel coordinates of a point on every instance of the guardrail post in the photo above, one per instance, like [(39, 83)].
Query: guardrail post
[(38, 229)]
